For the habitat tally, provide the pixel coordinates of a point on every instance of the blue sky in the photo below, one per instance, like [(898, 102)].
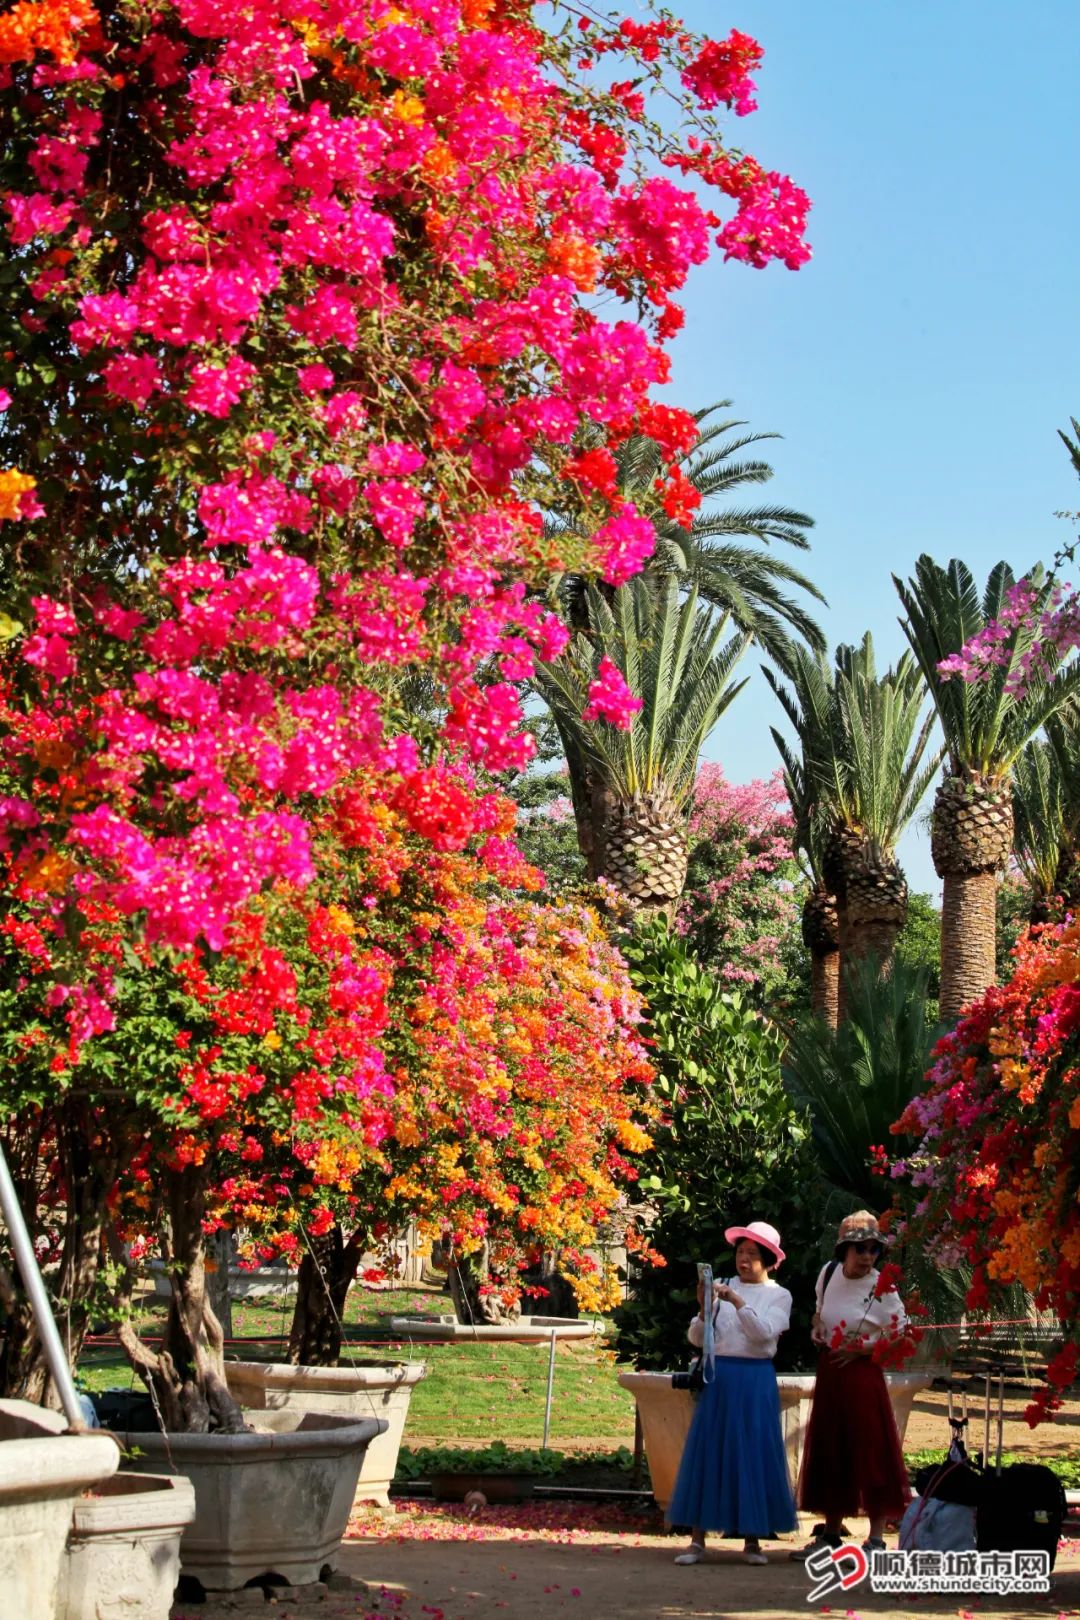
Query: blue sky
[(919, 365)]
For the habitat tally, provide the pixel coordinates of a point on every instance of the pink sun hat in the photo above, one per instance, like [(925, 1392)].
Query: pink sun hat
[(758, 1232)]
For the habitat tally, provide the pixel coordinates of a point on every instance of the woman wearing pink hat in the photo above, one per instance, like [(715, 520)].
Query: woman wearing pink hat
[(733, 1476)]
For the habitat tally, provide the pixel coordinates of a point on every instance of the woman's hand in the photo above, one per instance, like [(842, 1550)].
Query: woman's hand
[(850, 1353), (722, 1291)]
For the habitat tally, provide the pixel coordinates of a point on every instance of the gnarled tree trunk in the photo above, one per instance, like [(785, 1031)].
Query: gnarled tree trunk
[(186, 1376), (472, 1304), (327, 1272), (89, 1163)]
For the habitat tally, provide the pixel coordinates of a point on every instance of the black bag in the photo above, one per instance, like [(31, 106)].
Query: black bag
[(1021, 1509), (951, 1481), (693, 1380), (1017, 1509)]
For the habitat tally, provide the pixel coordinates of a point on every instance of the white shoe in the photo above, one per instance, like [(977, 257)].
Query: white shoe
[(693, 1554), (754, 1556)]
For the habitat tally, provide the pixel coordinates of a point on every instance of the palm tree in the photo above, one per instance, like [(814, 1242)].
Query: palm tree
[(673, 657), (862, 776), (820, 921), (746, 582), (986, 724), (882, 743)]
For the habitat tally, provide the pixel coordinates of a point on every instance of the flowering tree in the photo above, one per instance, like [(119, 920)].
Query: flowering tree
[(740, 904), (295, 331), (998, 1130)]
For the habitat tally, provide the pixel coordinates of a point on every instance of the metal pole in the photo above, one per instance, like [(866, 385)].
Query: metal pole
[(551, 1385), (26, 1260)]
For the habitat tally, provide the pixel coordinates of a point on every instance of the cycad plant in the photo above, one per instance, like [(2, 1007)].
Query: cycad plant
[(856, 1081), (1046, 818), (986, 725), (674, 657), (1038, 824)]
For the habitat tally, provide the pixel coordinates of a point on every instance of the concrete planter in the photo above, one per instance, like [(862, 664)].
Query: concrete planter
[(378, 1389), (259, 1282), (273, 1502), (666, 1414), (124, 1550), (43, 1472), (527, 1329)]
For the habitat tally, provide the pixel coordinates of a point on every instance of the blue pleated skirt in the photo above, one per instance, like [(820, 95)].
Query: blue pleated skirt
[(733, 1476)]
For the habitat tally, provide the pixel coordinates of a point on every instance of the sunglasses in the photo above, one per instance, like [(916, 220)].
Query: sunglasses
[(869, 1247)]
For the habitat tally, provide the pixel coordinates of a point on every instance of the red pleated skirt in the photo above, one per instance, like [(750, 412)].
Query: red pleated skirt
[(852, 1462)]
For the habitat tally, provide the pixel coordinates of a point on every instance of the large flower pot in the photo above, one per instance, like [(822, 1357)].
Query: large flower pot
[(666, 1414), (379, 1389), (525, 1330), (273, 1502), (43, 1471), (124, 1551)]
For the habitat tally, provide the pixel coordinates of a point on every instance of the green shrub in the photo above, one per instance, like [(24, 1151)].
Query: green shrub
[(735, 1148)]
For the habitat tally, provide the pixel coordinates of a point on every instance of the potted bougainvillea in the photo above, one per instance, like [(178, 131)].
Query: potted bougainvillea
[(998, 1132), (297, 341)]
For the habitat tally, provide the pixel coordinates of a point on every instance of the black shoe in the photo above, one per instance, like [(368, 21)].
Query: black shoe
[(821, 1539)]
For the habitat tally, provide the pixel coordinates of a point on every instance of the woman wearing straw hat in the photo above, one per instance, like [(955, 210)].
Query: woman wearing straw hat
[(852, 1462), (733, 1476)]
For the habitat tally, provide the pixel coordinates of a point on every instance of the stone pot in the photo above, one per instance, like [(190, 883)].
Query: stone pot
[(43, 1472), (124, 1550), (379, 1389), (273, 1502), (527, 1329), (666, 1414)]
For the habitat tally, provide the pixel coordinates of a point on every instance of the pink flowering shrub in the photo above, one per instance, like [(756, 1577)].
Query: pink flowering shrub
[(739, 904), (299, 336)]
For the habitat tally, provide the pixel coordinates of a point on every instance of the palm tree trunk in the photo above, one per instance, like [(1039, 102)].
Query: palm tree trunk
[(825, 985), (844, 934), (968, 938), (877, 938)]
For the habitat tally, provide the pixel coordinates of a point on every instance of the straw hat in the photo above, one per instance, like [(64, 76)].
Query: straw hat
[(758, 1232), (862, 1227)]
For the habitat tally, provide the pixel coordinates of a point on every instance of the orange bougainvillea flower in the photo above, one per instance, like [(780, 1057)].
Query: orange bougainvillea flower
[(576, 258), (44, 25), (14, 485)]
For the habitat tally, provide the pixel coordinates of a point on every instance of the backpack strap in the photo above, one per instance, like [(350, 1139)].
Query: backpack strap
[(828, 1277)]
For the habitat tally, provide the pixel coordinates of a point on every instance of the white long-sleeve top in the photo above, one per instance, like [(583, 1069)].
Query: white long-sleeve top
[(752, 1331), (849, 1304)]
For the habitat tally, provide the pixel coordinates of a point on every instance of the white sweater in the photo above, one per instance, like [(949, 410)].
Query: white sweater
[(752, 1331), (849, 1304)]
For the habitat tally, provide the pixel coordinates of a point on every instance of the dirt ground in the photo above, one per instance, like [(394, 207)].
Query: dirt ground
[(928, 1427), (611, 1563), (606, 1576)]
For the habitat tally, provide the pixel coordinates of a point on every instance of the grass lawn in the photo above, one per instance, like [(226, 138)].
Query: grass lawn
[(473, 1394)]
